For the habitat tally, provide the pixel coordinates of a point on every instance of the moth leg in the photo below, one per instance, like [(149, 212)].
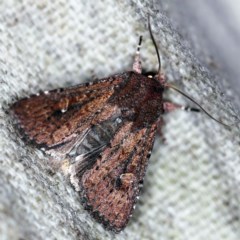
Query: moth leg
[(169, 107)]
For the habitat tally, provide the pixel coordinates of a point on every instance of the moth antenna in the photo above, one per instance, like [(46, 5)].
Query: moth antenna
[(155, 45), (137, 65), (139, 45), (191, 99)]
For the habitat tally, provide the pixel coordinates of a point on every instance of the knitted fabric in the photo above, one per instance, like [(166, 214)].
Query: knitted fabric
[(192, 185)]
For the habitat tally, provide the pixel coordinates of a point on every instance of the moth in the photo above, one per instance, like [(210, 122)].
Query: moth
[(101, 134)]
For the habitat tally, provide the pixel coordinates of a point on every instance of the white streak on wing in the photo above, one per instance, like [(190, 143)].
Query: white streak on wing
[(72, 172), (79, 158)]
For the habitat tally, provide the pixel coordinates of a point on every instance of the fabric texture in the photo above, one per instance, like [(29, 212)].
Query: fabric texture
[(191, 188)]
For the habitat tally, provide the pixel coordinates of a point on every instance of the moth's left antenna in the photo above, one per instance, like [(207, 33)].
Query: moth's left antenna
[(155, 45)]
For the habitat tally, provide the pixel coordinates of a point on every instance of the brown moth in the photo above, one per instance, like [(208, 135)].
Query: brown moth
[(101, 134)]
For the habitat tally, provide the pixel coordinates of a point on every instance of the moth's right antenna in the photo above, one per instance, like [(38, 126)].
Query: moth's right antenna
[(195, 102), (155, 45)]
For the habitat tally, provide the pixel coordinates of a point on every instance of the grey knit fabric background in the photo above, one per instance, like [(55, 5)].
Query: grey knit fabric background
[(192, 186)]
